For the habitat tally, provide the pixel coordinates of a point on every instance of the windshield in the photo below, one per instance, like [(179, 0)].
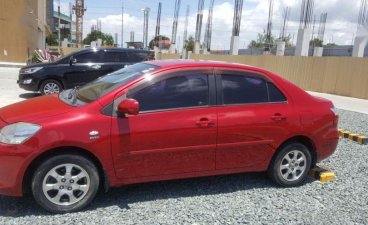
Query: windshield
[(103, 85)]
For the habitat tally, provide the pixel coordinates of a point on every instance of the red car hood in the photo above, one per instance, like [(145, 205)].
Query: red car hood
[(34, 109)]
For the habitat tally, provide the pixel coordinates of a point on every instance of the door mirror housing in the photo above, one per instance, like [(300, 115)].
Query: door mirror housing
[(72, 60), (129, 106)]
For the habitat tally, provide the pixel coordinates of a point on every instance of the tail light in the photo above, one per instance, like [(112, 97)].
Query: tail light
[(336, 118)]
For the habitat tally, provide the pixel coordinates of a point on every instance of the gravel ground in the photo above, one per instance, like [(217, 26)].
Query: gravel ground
[(235, 199)]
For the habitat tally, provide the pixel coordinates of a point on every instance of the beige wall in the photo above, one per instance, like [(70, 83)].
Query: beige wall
[(346, 76), (20, 28)]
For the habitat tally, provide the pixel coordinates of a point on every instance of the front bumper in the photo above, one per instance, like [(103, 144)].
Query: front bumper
[(33, 86), (13, 162)]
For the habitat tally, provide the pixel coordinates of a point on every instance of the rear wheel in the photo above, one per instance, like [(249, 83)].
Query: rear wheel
[(65, 183), (49, 87), (291, 164)]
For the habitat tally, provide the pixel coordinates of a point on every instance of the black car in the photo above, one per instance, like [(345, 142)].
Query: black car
[(78, 68)]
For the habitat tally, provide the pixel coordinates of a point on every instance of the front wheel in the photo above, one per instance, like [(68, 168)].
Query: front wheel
[(49, 87), (65, 183), (291, 164)]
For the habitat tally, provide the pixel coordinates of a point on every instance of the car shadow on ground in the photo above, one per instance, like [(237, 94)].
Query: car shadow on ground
[(124, 196), (29, 95)]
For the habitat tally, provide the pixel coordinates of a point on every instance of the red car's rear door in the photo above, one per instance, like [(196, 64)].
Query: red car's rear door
[(254, 117)]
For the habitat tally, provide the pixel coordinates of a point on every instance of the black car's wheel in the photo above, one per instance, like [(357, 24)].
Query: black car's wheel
[(49, 87), (65, 183), (290, 165)]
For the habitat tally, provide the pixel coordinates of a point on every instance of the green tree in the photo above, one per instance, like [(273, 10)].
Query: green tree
[(331, 44), (316, 42), (107, 39), (155, 41), (189, 44), (260, 42), (52, 40)]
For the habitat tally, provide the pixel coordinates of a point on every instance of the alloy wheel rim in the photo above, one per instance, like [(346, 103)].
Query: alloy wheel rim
[(51, 88), (66, 184), (293, 165)]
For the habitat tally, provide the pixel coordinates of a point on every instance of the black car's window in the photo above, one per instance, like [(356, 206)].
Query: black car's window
[(115, 57), (275, 94), (64, 60), (174, 92), (90, 57), (138, 56), (243, 89), (112, 81)]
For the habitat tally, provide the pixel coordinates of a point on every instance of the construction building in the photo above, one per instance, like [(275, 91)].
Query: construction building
[(23, 28), (67, 27)]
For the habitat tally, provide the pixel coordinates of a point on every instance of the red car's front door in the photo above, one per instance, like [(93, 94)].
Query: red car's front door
[(175, 131)]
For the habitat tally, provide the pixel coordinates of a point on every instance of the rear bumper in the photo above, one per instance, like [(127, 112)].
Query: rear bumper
[(327, 144)]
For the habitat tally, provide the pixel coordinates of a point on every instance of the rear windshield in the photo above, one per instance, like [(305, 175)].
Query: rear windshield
[(110, 82)]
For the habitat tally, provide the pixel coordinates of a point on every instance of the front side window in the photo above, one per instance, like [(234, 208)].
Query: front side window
[(90, 57), (174, 92)]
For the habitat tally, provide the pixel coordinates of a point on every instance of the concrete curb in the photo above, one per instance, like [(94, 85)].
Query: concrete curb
[(359, 138), (11, 65)]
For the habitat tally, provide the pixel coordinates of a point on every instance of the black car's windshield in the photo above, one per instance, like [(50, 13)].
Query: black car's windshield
[(106, 84)]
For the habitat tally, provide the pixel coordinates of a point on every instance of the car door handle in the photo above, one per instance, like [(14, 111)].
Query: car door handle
[(96, 67), (204, 123), (278, 117)]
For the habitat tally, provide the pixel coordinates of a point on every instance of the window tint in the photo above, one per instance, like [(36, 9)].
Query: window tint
[(91, 57), (115, 57), (138, 56), (174, 92), (243, 89), (275, 94)]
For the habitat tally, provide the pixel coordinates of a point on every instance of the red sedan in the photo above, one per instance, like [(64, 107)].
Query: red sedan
[(161, 120)]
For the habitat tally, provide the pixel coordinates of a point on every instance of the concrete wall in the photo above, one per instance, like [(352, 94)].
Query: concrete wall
[(22, 24), (344, 76)]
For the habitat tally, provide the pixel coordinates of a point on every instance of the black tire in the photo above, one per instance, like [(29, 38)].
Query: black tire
[(51, 87), (63, 196), (293, 175)]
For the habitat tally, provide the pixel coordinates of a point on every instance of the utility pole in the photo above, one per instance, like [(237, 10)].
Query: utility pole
[(145, 11), (185, 36), (79, 12), (71, 22), (59, 36), (158, 20), (122, 24)]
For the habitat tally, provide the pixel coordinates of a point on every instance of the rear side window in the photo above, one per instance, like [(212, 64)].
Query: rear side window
[(248, 89), (174, 92), (243, 89), (115, 57), (275, 94), (138, 56)]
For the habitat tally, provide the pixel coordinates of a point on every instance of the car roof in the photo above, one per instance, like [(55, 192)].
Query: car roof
[(176, 63), (112, 49)]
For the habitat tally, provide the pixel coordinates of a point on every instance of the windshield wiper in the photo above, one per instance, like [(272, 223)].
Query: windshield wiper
[(73, 94)]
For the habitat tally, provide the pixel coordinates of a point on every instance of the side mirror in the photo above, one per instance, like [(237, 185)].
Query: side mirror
[(129, 106), (72, 60)]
